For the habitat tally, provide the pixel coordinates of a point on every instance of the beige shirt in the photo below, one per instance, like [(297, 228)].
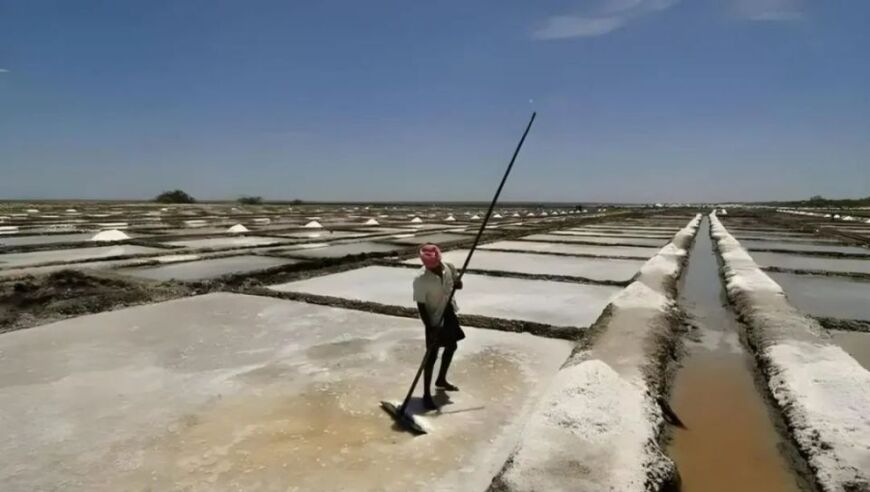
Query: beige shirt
[(433, 290)]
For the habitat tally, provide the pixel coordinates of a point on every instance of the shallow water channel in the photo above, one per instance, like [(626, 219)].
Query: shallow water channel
[(730, 441)]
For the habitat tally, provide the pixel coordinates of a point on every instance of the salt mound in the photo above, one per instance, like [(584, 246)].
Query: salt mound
[(110, 235), (516, 214), (416, 220), (72, 211), (496, 216), (32, 211), (475, 217), (372, 222), (530, 214), (313, 225), (543, 214), (237, 229), (450, 218)]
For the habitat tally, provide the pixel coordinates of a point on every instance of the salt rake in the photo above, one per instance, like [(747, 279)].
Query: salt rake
[(399, 414)]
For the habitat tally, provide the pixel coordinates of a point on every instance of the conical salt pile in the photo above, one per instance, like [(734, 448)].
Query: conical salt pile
[(530, 214), (32, 211), (543, 214), (237, 229), (516, 214), (475, 217), (372, 222), (313, 225), (110, 235), (496, 216), (450, 218), (416, 220)]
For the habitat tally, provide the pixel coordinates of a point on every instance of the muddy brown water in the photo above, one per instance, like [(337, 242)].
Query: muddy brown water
[(731, 441)]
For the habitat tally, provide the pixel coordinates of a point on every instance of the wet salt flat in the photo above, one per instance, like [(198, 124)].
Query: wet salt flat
[(795, 246), (802, 262), (340, 250), (72, 255), (616, 270), (208, 268), (857, 344), (574, 249), (834, 297), (554, 303), (234, 392), (596, 240), (229, 242)]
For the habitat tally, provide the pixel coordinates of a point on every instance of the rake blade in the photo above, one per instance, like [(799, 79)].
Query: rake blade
[(402, 419)]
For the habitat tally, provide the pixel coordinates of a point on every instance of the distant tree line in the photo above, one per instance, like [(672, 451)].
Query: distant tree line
[(174, 196), (820, 201), (179, 196), (250, 200)]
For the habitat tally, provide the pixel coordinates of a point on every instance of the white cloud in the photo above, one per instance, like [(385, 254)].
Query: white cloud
[(769, 10), (572, 26), (608, 16), (4, 70)]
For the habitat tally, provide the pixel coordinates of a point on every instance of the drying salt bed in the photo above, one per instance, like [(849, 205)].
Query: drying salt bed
[(208, 268), (229, 242), (819, 295), (340, 250), (632, 228), (553, 303), (326, 234), (803, 262), (72, 255), (595, 240), (601, 269), (45, 239), (805, 239), (574, 249), (439, 238), (615, 235), (796, 246), (91, 265), (210, 231), (822, 392), (234, 392)]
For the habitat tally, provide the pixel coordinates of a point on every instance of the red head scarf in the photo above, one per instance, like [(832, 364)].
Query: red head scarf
[(430, 255)]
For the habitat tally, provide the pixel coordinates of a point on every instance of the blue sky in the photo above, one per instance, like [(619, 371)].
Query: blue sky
[(638, 100)]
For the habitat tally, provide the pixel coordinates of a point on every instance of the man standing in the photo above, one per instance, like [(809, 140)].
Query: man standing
[(432, 287)]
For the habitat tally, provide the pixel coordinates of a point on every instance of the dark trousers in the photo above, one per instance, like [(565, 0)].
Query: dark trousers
[(445, 337), (446, 359)]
